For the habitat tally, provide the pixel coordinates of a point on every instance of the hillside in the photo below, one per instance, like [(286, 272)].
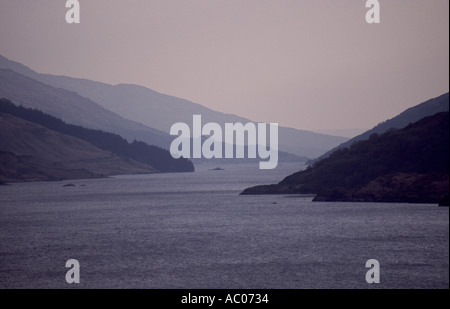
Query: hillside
[(30, 152), (75, 109), (160, 111), (411, 115), (406, 165), (142, 155)]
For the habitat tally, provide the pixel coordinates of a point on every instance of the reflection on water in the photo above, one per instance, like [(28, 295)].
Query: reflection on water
[(195, 231)]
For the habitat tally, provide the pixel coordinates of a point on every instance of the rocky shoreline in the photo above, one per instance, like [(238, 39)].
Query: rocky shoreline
[(395, 188)]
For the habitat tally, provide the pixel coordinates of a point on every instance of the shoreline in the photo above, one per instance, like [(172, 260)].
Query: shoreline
[(12, 182)]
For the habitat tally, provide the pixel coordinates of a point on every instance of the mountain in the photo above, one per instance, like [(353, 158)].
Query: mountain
[(160, 111), (74, 108), (411, 115), (401, 165), (350, 133), (53, 143)]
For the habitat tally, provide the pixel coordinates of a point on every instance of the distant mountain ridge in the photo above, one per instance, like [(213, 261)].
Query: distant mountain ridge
[(160, 111), (411, 115), (73, 108)]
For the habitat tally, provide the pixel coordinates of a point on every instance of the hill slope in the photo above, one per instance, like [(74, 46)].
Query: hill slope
[(161, 111), (30, 152), (406, 165), (155, 156), (75, 109), (411, 115)]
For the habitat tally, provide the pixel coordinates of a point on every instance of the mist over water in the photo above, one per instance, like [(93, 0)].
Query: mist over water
[(193, 230)]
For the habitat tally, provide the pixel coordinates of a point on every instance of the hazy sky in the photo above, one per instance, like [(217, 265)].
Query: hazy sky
[(308, 64)]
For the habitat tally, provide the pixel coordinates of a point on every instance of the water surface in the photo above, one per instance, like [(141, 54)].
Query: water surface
[(193, 230)]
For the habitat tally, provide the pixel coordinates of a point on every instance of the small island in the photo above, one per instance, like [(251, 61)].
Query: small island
[(217, 169), (69, 185)]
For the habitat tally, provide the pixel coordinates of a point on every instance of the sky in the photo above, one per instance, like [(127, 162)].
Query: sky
[(307, 64)]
